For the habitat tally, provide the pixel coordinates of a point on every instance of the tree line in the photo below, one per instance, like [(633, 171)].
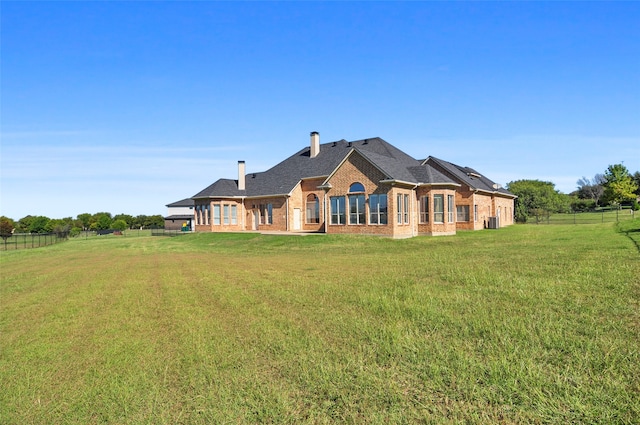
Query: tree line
[(83, 222), (615, 188)]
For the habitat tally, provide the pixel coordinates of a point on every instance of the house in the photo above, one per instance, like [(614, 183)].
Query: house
[(365, 186), (180, 215)]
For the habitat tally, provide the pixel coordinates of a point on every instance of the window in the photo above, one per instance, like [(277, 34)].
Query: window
[(424, 209), (216, 214), (438, 208), (475, 213), (377, 209), (268, 214), (313, 209), (450, 208), (356, 187), (225, 210), (462, 213), (338, 210), (356, 209), (406, 209), (207, 209), (234, 214), (403, 209)]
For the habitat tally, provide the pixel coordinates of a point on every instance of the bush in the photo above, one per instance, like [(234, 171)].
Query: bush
[(581, 205)]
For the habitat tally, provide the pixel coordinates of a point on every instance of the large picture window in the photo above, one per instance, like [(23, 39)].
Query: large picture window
[(462, 213), (234, 214), (216, 214), (225, 210), (268, 214), (438, 208), (377, 209), (338, 212), (313, 209), (424, 209), (356, 209), (403, 209)]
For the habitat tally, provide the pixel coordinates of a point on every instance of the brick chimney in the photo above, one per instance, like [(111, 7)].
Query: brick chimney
[(315, 144), (241, 182)]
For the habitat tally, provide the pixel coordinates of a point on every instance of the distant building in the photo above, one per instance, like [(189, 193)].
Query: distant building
[(180, 215), (365, 186)]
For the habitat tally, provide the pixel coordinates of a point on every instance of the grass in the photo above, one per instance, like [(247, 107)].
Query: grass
[(527, 324)]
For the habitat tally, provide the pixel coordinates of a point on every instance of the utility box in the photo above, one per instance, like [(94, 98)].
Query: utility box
[(493, 222)]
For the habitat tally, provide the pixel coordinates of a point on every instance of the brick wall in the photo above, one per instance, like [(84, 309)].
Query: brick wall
[(306, 188), (357, 169), (279, 213), (206, 224), (432, 228)]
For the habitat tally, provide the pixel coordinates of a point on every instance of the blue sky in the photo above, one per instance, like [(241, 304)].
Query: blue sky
[(128, 106)]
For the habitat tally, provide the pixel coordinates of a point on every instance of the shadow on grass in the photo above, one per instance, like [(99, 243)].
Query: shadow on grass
[(632, 231)]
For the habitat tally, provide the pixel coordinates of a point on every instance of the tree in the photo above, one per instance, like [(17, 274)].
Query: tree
[(128, 219), (119, 224), (536, 197), (85, 220), (619, 185), (591, 189), (40, 224), (636, 179), (24, 223), (101, 221), (6, 227), (61, 227)]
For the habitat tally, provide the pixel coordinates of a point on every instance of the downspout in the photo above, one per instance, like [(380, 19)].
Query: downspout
[(415, 219), (244, 215), (324, 211), (287, 214)]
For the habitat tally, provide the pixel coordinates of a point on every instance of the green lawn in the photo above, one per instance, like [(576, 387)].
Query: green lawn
[(526, 324)]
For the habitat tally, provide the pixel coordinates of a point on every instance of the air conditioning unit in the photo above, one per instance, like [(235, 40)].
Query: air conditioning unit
[(493, 222)]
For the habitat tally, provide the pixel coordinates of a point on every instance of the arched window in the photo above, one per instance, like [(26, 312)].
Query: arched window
[(356, 188), (313, 209), (356, 204)]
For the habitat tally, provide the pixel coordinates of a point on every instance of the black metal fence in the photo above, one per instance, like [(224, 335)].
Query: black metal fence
[(31, 240), (587, 217)]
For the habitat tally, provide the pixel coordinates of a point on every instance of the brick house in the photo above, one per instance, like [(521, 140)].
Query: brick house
[(361, 187)]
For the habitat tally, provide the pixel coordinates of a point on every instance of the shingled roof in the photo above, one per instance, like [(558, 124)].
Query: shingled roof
[(468, 176), (283, 177)]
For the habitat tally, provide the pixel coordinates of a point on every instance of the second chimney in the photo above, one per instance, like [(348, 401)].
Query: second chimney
[(241, 185), (315, 144)]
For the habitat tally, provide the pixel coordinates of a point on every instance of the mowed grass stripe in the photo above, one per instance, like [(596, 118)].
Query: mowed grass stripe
[(528, 324)]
